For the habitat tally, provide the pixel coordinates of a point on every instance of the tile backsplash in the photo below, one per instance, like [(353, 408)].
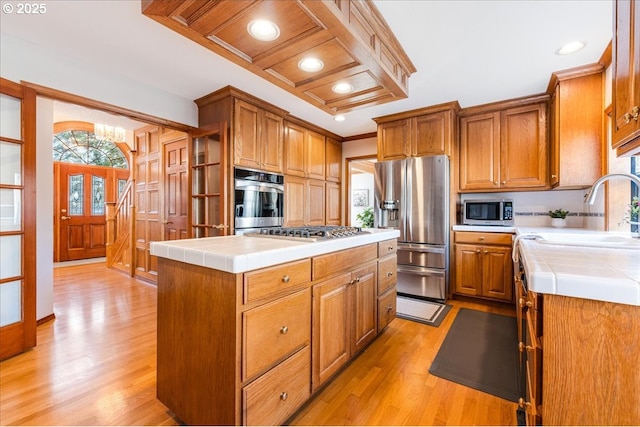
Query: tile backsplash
[(531, 207)]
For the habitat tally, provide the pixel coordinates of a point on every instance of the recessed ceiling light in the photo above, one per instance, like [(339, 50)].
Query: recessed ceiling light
[(339, 118), (311, 65), (570, 48), (264, 30), (342, 88)]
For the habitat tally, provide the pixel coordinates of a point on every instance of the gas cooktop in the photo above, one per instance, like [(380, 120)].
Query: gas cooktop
[(324, 232)]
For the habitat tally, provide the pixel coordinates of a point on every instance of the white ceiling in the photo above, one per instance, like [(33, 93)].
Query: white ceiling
[(471, 51)]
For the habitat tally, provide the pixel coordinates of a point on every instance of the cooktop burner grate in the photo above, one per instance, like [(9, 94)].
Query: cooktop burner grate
[(318, 232)]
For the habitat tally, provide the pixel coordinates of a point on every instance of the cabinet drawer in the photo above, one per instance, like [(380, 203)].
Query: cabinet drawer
[(273, 331), (275, 396), (386, 309), (335, 262), (387, 247), (387, 273), (274, 281), (483, 238)]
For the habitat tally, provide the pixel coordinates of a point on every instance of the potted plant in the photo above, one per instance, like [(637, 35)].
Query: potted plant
[(558, 218), (366, 217)]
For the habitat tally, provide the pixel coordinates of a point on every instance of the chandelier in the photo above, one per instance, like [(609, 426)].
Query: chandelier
[(115, 134)]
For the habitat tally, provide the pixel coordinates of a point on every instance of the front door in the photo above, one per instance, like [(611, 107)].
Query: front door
[(80, 204)]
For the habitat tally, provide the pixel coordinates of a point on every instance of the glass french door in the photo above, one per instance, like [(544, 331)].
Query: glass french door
[(17, 219)]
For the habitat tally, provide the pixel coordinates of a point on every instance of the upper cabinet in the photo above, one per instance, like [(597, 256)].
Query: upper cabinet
[(258, 137), (304, 152), (625, 134), (424, 132), (333, 158), (576, 126), (256, 127), (504, 146)]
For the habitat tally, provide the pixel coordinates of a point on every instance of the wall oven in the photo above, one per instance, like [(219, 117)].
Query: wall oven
[(259, 200)]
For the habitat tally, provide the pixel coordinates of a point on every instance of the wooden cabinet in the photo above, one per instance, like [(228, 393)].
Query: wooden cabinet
[(424, 132), (504, 146), (576, 126), (304, 152), (626, 78), (344, 309), (304, 201), (483, 265), (258, 137), (333, 158), (333, 215), (579, 359), (528, 309), (251, 348), (387, 281)]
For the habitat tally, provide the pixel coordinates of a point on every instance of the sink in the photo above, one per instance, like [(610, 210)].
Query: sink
[(599, 240)]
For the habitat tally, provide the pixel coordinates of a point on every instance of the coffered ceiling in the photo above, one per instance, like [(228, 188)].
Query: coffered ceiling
[(475, 52), (349, 38)]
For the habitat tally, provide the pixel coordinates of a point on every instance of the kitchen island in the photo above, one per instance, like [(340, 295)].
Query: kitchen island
[(249, 328), (578, 294)]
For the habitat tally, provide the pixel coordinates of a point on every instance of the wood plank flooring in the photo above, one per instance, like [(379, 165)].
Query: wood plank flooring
[(95, 364)]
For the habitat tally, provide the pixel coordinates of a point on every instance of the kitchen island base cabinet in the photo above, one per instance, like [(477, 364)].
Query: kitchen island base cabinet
[(590, 362), (251, 348)]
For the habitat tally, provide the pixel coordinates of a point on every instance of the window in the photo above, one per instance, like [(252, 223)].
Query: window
[(83, 147)]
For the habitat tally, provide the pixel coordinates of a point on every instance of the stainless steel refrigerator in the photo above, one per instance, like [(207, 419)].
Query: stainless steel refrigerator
[(412, 195)]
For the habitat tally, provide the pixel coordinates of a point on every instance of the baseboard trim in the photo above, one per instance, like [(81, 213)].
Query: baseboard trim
[(45, 319)]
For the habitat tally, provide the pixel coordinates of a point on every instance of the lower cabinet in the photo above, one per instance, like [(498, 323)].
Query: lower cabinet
[(251, 348), (483, 265)]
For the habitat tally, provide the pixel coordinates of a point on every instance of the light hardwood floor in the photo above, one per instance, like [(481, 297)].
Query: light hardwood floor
[(95, 364)]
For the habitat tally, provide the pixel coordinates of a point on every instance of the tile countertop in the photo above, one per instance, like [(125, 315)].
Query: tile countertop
[(237, 254), (599, 273)]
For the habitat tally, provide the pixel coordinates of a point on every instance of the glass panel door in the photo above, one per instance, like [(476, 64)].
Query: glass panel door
[(17, 219)]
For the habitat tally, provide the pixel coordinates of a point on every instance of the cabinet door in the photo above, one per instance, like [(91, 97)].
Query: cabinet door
[(294, 201), (333, 170), (330, 347), (272, 142), (497, 274), (554, 140), (480, 152), (333, 215), (468, 270), (626, 72), (431, 134), (314, 202), (246, 148), (394, 140), (315, 155), (523, 147), (294, 150), (364, 295)]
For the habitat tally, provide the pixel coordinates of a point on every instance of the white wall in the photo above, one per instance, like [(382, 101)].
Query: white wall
[(531, 207), (44, 208), (360, 181)]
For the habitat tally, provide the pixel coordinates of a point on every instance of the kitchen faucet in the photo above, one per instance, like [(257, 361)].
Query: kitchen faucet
[(590, 197)]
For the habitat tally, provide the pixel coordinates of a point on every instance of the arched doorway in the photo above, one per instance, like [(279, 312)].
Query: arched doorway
[(88, 171)]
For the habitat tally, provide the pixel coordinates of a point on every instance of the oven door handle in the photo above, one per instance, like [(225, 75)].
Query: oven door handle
[(263, 188), (424, 271)]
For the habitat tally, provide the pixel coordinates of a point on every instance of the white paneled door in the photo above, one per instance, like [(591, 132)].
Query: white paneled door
[(17, 219)]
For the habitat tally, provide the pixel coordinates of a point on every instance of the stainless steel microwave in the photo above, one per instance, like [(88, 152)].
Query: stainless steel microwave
[(488, 212)]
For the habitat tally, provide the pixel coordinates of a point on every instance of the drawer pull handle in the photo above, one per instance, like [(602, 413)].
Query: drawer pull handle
[(523, 404), (481, 237), (523, 347), (356, 280), (524, 303), (390, 248), (284, 330), (390, 273), (285, 279), (486, 252), (389, 308), (283, 395)]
